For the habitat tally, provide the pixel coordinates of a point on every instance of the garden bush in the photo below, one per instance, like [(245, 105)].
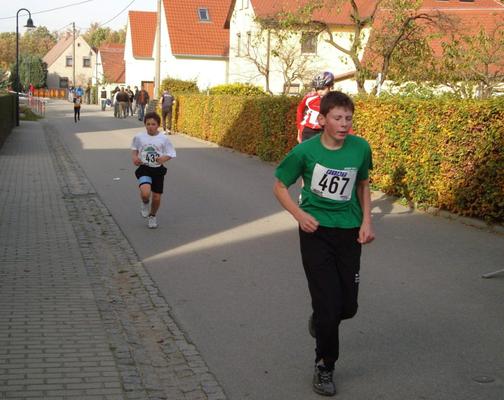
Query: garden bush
[(441, 153), (237, 89)]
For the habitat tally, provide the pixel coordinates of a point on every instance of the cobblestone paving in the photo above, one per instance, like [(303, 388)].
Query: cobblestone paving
[(80, 317)]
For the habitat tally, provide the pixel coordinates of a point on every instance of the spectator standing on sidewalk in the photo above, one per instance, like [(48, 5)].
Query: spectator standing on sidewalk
[(123, 99), (149, 151), (142, 101), (116, 104), (103, 98), (135, 99), (131, 98), (167, 102), (334, 218)]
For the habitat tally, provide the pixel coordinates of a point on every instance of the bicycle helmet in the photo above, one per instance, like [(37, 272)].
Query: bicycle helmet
[(322, 80)]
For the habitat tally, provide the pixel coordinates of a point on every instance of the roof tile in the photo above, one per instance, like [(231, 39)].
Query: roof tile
[(143, 32)]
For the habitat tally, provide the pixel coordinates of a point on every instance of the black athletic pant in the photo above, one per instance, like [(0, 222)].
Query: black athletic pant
[(331, 260), (76, 113)]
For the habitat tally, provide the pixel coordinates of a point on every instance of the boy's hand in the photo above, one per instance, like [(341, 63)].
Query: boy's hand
[(306, 222), (137, 161), (366, 233)]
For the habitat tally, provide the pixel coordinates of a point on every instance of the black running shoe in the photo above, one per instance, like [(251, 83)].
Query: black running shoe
[(323, 383), (311, 326)]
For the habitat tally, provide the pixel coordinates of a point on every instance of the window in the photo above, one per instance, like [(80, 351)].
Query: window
[(308, 42), (69, 61), (293, 88), (238, 44), (249, 41), (203, 14), (63, 83), (244, 4), (86, 62)]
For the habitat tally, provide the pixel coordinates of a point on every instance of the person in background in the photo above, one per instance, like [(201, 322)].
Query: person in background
[(167, 102), (131, 98), (77, 100), (309, 107), (142, 101)]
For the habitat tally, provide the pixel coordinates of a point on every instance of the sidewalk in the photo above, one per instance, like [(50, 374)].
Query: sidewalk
[(79, 316)]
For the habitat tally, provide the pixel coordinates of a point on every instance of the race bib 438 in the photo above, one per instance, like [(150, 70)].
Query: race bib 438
[(333, 184)]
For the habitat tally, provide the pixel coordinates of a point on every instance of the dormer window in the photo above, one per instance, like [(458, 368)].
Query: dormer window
[(203, 14)]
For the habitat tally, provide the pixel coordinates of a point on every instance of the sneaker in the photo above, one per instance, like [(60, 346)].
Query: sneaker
[(311, 326), (145, 209), (152, 222), (323, 383)]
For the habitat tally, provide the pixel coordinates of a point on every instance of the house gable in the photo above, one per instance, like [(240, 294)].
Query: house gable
[(193, 35), (142, 26)]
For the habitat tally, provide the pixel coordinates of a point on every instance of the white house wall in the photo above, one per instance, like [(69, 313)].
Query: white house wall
[(241, 69), (137, 69)]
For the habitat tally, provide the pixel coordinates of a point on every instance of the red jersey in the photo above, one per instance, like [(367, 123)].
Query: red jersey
[(308, 111)]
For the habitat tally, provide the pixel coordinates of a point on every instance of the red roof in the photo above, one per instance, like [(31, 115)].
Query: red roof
[(334, 15), (143, 32), (112, 58), (193, 37)]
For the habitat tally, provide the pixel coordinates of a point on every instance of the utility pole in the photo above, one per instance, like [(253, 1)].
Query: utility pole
[(157, 83), (73, 56)]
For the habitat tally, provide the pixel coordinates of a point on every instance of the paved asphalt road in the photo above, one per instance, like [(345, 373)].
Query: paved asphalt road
[(226, 258)]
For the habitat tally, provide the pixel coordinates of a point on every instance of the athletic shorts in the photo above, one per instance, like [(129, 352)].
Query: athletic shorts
[(151, 176), (308, 133)]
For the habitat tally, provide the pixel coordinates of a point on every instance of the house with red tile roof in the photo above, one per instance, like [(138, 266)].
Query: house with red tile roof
[(110, 67), (60, 63), (139, 49), (195, 41), (308, 53), (470, 16)]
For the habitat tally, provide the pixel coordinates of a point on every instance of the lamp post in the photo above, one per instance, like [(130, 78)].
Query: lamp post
[(29, 25)]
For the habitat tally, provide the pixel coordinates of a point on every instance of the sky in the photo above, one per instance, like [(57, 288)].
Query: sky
[(59, 14)]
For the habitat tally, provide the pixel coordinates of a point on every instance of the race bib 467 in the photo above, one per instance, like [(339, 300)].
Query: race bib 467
[(333, 184)]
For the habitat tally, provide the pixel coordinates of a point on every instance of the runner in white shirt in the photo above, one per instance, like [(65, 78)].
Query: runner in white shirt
[(149, 151)]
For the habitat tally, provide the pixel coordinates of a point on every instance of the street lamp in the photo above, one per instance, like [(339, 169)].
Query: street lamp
[(29, 25)]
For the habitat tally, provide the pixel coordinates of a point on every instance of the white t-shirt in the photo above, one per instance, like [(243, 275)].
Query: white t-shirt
[(151, 147)]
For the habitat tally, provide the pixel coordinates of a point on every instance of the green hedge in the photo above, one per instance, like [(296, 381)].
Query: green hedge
[(7, 115), (435, 153)]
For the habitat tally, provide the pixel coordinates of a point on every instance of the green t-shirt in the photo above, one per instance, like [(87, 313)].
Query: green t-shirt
[(330, 179)]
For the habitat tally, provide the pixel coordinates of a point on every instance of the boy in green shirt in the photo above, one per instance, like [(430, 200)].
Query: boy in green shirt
[(334, 217)]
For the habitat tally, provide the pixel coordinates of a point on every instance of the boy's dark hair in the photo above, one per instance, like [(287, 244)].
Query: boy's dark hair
[(152, 115), (335, 99)]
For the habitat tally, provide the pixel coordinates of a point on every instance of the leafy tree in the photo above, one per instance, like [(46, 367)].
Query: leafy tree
[(97, 35), (473, 65), (7, 49), (282, 45), (399, 34), (38, 41), (31, 70)]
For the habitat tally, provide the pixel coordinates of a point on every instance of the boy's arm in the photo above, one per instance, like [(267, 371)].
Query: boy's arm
[(366, 232), (134, 157), (306, 222), (163, 159)]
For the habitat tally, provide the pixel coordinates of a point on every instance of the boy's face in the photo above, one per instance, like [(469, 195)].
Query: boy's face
[(337, 123), (152, 126)]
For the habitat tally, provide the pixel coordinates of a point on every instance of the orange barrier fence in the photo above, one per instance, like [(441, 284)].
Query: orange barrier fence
[(52, 93)]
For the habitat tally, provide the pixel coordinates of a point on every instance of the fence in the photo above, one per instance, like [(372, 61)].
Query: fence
[(37, 105), (7, 115), (52, 93)]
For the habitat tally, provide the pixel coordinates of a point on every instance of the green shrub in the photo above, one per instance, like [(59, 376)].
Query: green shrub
[(237, 89), (178, 86)]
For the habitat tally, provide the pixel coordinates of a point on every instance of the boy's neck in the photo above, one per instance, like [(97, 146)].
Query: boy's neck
[(330, 143), (153, 134)]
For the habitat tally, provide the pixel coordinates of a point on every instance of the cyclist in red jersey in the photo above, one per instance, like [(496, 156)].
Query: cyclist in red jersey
[(309, 108)]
